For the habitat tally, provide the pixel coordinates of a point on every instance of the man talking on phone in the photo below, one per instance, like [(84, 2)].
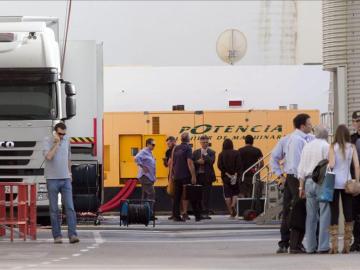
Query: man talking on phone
[(58, 179)]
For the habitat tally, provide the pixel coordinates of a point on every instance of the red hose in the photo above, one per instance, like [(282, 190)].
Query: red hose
[(123, 194), (117, 197), (117, 203), (126, 195)]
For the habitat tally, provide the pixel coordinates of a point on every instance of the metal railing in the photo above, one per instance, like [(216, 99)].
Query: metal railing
[(254, 165), (257, 177)]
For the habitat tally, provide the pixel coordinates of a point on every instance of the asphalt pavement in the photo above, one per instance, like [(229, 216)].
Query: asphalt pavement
[(212, 244)]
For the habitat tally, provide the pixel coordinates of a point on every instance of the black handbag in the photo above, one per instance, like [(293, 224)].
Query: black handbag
[(297, 215), (319, 171), (193, 192)]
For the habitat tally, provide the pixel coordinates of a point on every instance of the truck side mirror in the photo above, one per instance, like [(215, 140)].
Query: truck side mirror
[(70, 107), (70, 89), (70, 100)]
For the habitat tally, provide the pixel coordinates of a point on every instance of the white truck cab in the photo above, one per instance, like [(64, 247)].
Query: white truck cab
[(33, 98)]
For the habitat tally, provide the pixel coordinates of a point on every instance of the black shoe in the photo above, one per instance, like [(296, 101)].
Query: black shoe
[(171, 218), (178, 219), (206, 217), (297, 251), (186, 217), (312, 252), (199, 218), (282, 250), (323, 251), (355, 247)]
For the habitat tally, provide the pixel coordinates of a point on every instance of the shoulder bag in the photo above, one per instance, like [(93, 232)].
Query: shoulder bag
[(352, 186), (170, 189), (326, 193)]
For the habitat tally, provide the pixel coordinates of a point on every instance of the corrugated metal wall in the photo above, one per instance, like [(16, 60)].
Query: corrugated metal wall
[(341, 45)]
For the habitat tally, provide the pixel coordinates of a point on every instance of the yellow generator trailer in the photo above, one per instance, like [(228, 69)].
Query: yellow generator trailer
[(125, 134)]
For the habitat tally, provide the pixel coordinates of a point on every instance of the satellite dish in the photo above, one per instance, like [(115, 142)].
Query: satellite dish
[(231, 46)]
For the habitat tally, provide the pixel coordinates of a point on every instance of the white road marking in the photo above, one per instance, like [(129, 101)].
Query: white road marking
[(45, 263), (84, 250), (190, 241), (76, 255), (97, 237), (56, 260)]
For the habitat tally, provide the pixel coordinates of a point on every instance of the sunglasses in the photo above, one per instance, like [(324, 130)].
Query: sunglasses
[(61, 134)]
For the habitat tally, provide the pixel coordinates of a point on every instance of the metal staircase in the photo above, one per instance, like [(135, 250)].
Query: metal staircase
[(271, 193)]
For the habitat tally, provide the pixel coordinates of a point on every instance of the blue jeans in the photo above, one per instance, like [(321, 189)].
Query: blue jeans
[(312, 217), (63, 186)]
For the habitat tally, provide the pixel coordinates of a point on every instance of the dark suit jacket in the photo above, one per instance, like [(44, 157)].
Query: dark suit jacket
[(208, 166)]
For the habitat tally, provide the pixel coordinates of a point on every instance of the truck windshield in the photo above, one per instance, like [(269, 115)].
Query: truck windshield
[(25, 102)]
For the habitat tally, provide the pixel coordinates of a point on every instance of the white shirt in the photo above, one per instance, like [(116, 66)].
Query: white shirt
[(312, 153), (342, 165)]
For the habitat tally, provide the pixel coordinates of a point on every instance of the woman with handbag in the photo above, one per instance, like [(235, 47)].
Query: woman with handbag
[(341, 154), (229, 163)]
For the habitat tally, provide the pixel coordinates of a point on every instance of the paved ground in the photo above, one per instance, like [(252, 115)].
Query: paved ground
[(216, 244)]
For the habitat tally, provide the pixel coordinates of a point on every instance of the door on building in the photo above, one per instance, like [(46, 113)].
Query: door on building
[(129, 145)]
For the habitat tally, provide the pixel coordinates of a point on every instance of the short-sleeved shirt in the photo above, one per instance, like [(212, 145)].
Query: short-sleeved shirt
[(58, 167), (182, 153), (168, 154), (249, 156), (355, 139)]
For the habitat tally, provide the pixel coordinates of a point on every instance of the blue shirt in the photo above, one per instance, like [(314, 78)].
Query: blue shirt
[(289, 150), (277, 155), (294, 147), (145, 159), (58, 167)]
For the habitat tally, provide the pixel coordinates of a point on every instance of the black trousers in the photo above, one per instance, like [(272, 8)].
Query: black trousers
[(179, 187), (356, 218), (207, 185), (346, 200), (291, 193), (246, 187)]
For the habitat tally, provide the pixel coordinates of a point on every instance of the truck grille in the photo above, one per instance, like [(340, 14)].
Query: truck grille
[(15, 161), (20, 153), (25, 172), (24, 144)]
